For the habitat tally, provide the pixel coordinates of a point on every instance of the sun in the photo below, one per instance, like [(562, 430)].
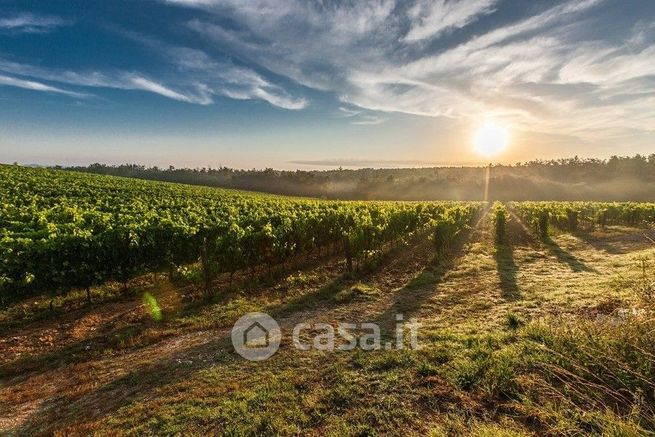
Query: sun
[(490, 139)]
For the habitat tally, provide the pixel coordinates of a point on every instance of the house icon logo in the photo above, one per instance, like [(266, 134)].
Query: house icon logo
[(256, 336)]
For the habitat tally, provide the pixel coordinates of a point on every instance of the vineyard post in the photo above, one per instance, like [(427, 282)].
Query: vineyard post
[(439, 240), (206, 268), (603, 218), (543, 224), (348, 253), (171, 271), (500, 221), (572, 217)]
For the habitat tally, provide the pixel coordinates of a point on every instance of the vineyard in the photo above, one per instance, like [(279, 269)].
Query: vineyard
[(63, 230), (518, 304)]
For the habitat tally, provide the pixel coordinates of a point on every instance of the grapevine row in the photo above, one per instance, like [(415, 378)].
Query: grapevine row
[(570, 216), (63, 231)]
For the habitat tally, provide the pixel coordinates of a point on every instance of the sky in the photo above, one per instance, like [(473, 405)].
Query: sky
[(318, 84)]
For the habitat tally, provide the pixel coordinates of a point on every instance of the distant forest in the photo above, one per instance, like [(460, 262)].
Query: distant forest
[(617, 178)]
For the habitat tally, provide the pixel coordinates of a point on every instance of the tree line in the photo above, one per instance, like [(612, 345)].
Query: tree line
[(616, 178)]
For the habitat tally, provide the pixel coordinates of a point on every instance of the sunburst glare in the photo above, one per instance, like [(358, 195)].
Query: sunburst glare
[(491, 139)]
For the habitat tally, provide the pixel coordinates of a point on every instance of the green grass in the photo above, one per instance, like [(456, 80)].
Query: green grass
[(359, 291)]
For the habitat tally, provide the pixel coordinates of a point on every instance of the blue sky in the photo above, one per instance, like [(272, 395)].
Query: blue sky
[(308, 84)]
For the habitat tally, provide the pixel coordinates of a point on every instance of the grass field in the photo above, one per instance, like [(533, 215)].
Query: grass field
[(516, 339)]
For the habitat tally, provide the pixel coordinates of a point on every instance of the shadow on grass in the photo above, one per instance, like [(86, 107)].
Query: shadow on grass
[(326, 294), (172, 367), (61, 411), (82, 351), (73, 309), (108, 340), (506, 267), (566, 257), (142, 377), (416, 292), (75, 306), (94, 347), (600, 243)]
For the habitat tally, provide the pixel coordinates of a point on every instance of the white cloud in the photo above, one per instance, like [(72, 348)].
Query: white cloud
[(227, 79), (30, 23), (203, 78), (608, 65), (95, 79), (209, 77), (275, 99), (196, 78), (141, 83), (359, 116), (348, 112), (430, 18), (36, 86), (369, 120)]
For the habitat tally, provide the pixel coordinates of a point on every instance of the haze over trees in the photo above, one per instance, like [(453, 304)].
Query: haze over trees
[(617, 178)]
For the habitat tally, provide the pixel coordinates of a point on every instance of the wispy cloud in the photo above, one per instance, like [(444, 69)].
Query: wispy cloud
[(94, 79), (30, 23), (37, 86), (360, 116), (203, 79), (348, 112), (141, 83), (225, 78), (369, 120), (195, 77), (430, 18)]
